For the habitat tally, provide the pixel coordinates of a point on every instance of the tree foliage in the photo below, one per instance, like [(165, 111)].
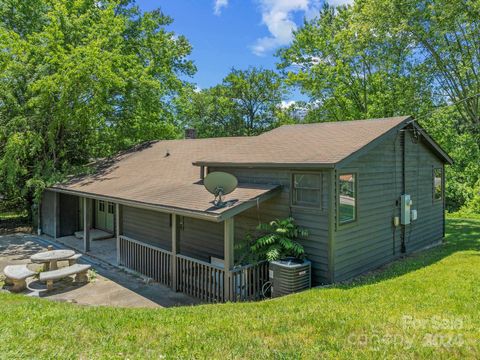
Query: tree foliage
[(443, 35), (351, 73), (247, 102), (81, 79)]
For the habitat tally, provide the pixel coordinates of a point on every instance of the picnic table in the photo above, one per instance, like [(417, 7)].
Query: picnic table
[(52, 257)]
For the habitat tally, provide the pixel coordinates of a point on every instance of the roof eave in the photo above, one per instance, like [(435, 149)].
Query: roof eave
[(202, 215), (266, 165), (443, 154), (249, 204), (408, 120), (364, 149)]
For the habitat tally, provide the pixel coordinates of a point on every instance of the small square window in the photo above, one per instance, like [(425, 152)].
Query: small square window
[(306, 190), (347, 198), (111, 208), (437, 184), (101, 205)]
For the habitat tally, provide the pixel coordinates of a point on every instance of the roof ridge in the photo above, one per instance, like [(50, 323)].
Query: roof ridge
[(345, 121)]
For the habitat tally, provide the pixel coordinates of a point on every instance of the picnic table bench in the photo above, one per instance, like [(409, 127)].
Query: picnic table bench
[(51, 257), (79, 270), (16, 275)]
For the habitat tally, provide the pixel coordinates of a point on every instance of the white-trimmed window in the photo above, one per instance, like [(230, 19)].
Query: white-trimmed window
[(347, 198), (437, 184)]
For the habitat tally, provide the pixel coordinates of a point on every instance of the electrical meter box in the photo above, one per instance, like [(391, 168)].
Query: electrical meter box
[(406, 205)]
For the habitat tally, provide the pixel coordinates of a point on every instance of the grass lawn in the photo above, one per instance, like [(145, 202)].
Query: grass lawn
[(425, 306)]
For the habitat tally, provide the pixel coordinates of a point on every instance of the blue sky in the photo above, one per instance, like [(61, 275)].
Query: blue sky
[(234, 33)]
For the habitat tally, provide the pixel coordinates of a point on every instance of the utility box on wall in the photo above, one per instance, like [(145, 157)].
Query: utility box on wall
[(406, 205)]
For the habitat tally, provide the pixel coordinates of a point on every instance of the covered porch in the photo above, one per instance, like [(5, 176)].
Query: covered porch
[(192, 254)]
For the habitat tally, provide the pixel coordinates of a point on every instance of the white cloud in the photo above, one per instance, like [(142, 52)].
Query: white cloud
[(339, 2), (285, 104), (277, 16), (218, 5)]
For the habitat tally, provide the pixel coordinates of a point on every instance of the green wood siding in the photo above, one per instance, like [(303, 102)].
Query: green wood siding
[(47, 213), (151, 227), (372, 240), (428, 229), (314, 220), (200, 239)]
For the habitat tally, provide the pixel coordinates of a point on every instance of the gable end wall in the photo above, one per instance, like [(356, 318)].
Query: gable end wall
[(372, 240)]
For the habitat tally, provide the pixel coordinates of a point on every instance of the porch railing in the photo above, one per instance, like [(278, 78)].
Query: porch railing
[(146, 259), (247, 282), (194, 277), (200, 279)]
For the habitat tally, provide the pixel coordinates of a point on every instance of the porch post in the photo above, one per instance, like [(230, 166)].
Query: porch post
[(229, 234), (118, 230), (87, 207), (173, 260)]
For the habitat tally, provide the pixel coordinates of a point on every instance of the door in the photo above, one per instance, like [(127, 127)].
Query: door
[(110, 217), (105, 215)]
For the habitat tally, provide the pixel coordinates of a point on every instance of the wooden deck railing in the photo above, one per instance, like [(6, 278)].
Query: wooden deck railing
[(146, 259), (247, 281), (200, 279), (196, 278)]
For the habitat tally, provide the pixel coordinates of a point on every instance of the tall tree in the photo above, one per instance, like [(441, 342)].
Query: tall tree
[(351, 73), (444, 37), (81, 79), (257, 94), (247, 102)]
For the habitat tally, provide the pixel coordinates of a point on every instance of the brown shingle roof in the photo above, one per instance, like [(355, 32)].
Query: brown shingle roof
[(315, 144), (161, 174)]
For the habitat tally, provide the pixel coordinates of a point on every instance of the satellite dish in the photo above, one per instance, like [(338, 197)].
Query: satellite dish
[(219, 184)]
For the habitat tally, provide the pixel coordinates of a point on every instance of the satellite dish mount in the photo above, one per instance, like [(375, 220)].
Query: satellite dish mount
[(220, 184)]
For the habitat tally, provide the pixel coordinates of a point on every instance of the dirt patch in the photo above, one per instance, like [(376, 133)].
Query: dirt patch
[(26, 229)]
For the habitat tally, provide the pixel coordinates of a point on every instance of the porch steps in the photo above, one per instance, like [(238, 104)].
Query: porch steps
[(95, 234)]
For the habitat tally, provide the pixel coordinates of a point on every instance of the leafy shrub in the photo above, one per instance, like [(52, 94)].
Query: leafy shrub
[(279, 240)]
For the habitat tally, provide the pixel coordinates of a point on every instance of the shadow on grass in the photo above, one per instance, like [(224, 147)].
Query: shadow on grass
[(461, 235)]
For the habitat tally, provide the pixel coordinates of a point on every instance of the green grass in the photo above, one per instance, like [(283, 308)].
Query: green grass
[(437, 291)]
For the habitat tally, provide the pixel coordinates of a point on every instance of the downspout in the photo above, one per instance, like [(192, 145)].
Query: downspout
[(332, 224), (404, 186)]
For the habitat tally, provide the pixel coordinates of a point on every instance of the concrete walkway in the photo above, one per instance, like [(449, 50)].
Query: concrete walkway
[(109, 286)]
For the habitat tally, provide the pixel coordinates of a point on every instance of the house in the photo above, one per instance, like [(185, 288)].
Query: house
[(367, 191)]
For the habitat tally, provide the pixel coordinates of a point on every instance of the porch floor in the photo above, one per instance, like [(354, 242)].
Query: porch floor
[(105, 250)]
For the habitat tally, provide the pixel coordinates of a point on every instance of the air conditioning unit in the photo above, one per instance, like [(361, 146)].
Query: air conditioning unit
[(290, 275)]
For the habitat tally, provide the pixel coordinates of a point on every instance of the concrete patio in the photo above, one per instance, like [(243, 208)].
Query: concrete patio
[(109, 285), (104, 249)]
